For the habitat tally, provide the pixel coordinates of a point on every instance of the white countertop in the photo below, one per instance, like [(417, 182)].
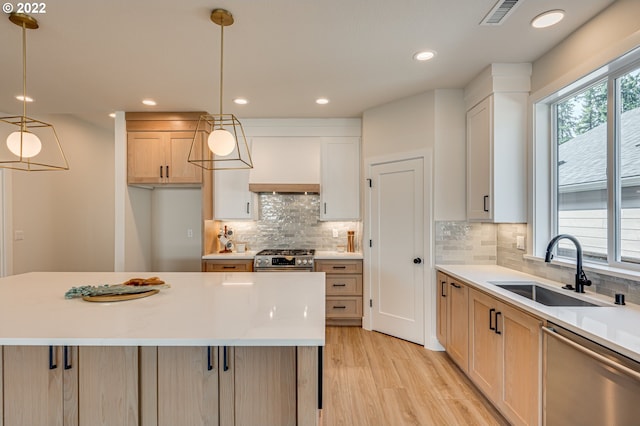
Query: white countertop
[(200, 309), (616, 327), (336, 255), (247, 255), (319, 255)]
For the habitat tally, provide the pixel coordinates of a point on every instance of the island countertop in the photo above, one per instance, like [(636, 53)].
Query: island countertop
[(200, 309)]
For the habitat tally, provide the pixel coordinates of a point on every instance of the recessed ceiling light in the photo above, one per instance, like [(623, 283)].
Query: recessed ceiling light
[(22, 98), (548, 18), (240, 101), (322, 101), (424, 55), (112, 115), (149, 102)]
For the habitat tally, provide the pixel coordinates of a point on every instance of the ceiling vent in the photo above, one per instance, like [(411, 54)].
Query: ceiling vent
[(500, 12)]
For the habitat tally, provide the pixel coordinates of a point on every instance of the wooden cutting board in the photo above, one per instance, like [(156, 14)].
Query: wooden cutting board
[(119, 297)]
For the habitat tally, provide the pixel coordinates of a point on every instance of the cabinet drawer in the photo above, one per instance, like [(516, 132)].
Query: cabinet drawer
[(339, 266), (344, 307), (344, 285), (228, 266)]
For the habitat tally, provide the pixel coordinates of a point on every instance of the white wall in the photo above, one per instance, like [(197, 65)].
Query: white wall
[(66, 217)]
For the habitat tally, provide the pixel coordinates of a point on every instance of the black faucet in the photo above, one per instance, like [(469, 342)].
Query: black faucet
[(581, 277)]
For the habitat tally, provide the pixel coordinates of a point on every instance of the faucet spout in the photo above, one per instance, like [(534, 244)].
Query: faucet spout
[(581, 277)]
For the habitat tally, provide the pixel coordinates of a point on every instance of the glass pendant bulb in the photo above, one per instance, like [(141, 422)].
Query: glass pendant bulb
[(31, 144), (221, 142)]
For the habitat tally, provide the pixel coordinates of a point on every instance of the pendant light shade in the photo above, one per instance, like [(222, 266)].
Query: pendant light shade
[(219, 142), (31, 145)]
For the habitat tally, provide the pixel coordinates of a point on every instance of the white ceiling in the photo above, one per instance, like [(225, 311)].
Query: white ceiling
[(92, 57)]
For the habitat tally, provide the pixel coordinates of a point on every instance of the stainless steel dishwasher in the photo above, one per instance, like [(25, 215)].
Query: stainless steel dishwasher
[(586, 383)]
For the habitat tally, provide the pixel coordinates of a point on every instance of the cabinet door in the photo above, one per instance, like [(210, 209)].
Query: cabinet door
[(458, 324), (258, 386), (108, 385), (485, 363), (232, 199), (146, 157), (442, 288), (340, 179), (480, 161), (179, 170), (521, 353), (33, 388), (187, 386)]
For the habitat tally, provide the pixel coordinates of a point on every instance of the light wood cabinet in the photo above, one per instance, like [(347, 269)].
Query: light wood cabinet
[(231, 265), (161, 158), (340, 179), (458, 323), (441, 307), (258, 386), (505, 358), (343, 291), (70, 385)]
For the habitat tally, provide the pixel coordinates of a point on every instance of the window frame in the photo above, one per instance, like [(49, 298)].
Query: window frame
[(544, 168)]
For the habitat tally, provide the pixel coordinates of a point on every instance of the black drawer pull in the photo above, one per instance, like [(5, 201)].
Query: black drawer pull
[(498, 331), (340, 307), (339, 285), (161, 176), (340, 267), (167, 172), (491, 327), (456, 285), (52, 365), (228, 267), (443, 285)]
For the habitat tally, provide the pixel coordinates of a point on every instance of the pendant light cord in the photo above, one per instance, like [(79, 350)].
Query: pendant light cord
[(221, 65), (24, 75)]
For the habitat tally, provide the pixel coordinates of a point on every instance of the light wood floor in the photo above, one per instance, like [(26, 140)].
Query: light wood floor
[(372, 379)]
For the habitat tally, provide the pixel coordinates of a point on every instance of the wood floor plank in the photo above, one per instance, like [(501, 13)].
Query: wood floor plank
[(373, 379)]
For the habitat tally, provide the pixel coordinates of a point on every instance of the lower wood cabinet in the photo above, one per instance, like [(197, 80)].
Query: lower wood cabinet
[(343, 291), (497, 345), (48, 385), (230, 265)]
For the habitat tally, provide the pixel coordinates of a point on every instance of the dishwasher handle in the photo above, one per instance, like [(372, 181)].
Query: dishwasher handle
[(592, 354)]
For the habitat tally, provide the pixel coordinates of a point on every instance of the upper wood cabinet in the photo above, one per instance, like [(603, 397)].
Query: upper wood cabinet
[(158, 146), (496, 144), (340, 178)]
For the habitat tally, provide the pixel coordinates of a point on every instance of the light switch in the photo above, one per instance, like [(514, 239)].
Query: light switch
[(189, 233), (520, 242), (18, 235)]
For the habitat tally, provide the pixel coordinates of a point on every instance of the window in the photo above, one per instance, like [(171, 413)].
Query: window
[(596, 166)]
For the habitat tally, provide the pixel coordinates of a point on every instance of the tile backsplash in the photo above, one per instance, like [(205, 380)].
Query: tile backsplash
[(483, 243), (292, 221)]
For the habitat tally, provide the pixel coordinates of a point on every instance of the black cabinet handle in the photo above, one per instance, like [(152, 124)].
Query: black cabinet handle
[(161, 176), (339, 285), (325, 208), (484, 203), (228, 267), (491, 327), (340, 307), (247, 208), (167, 171), (67, 359), (443, 285), (52, 365), (417, 261), (225, 361), (456, 285), (209, 364), (498, 331), (339, 267)]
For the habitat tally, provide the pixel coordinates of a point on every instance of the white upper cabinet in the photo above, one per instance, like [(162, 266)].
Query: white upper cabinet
[(496, 144), (232, 199), (340, 178)]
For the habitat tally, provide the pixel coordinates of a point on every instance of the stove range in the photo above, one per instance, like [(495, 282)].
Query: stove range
[(284, 260)]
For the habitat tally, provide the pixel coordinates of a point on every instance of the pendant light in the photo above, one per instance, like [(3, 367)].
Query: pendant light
[(31, 145), (226, 145)]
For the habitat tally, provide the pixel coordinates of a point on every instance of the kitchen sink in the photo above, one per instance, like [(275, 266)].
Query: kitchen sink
[(534, 291)]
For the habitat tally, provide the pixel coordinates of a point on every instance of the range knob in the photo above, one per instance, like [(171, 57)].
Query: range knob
[(304, 262), (298, 261), (259, 261)]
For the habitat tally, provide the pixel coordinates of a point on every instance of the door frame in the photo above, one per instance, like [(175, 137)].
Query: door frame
[(426, 155)]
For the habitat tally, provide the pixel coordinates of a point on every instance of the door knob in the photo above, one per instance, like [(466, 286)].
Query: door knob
[(417, 261)]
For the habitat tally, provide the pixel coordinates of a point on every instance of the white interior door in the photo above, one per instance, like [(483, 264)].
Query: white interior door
[(397, 253)]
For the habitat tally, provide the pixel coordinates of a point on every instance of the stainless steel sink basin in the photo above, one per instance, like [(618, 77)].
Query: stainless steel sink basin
[(533, 291)]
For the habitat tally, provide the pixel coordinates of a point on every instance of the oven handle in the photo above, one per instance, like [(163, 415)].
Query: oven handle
[(276, 269)]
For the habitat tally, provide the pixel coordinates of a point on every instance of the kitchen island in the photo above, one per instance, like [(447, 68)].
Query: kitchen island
[(215, 348)]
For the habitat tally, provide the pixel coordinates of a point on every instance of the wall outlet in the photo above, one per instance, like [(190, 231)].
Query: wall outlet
[(189, 233), (335, 233), (520, 242)]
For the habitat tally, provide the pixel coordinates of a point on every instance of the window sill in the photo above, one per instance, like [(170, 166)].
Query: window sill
[(626, 274)]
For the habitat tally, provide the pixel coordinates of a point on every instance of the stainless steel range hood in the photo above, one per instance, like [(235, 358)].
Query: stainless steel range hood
[(285, 164)]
